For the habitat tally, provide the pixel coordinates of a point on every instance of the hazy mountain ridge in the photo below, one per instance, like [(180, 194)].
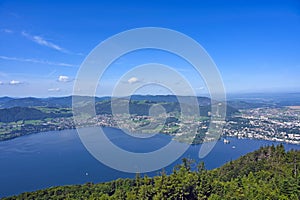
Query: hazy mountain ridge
[(8, 102), (271, 100), (29, 108), (244, 102)]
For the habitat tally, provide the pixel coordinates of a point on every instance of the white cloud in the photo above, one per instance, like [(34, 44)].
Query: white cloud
[(1, 83), (41, 41), (133, 80), (14, 82), (63, 79), (32, 60), (53, 89), (199, 88)]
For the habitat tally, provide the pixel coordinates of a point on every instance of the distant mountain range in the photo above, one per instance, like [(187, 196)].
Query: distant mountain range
[(44, 114), (243, 102), (256, 100), (15, 109), (62, 102)]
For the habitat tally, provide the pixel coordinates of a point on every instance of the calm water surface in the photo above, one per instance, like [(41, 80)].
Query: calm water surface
[(58, 158)]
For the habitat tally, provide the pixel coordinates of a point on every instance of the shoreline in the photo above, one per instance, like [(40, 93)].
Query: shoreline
[(197, 143)]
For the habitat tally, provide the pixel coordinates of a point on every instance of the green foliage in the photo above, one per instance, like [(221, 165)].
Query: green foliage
[(142, 107), (28, 113), (268, 173)]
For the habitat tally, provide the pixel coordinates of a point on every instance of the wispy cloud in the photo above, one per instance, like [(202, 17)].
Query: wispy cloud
[(53, 89), (5, 30), (64, 79), (33, 60), (1, 83), (43, 42), (15, 82), (199, 88), (51, 73)]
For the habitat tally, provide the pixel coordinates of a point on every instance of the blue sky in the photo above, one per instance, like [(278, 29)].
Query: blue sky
[(255, 44)]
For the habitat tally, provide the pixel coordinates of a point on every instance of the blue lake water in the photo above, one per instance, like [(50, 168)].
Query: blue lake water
[(59, 158)]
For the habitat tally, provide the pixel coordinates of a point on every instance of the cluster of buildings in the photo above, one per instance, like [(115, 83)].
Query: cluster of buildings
[(276, 124)]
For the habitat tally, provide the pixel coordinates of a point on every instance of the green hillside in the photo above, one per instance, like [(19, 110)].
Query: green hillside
[(23, 113), (268, 173)]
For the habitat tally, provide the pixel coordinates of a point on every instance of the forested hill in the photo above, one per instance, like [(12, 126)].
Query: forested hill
[(268, 173), (66, 102), (35, 110), (239, 101), (23, 113)]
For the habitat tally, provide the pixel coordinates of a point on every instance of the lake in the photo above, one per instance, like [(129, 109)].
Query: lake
[(57, 158)]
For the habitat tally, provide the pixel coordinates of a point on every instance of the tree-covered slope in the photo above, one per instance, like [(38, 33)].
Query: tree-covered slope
[(268, 173), (23, 113), (142, 107)]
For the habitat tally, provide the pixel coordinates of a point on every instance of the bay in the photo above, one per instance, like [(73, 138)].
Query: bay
[(55, 158)]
